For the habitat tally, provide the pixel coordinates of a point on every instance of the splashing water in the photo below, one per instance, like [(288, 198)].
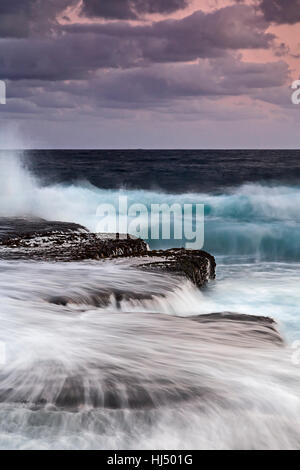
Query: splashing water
[(88, 373), (100, 356), (253, 220)]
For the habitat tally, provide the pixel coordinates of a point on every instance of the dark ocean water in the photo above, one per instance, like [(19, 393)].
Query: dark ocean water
[(178, 171)]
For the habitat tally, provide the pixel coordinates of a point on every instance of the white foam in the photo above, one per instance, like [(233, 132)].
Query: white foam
[(236, 394)]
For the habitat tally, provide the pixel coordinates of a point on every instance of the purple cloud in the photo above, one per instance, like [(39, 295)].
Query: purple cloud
[(281, 11), (80, 50), (129, 9)]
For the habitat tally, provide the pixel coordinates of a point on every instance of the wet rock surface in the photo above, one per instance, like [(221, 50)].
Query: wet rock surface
[(27, 227), (257, 328), (38, 239), (41, 240), (196, 265), (110, 381)]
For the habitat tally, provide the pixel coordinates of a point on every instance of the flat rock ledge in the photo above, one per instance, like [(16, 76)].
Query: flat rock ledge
[(221, 337), (196, 265), (247, 330), (41, 240)]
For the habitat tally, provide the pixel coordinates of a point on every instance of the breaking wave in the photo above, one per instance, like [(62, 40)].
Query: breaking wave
[(253, 220)]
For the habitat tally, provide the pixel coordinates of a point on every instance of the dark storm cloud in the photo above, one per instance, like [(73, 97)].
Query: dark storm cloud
[(157, 86), (281, 11), (162, 83), (102, 67), (64, 57), (21, 18), (278, 11), (129, 9), (80, 50), (15, 18), (208, 35)]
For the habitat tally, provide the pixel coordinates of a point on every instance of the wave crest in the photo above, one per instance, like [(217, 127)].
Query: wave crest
[(253, 220)]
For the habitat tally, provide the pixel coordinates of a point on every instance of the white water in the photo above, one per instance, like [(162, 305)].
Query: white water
[(253, 220), (85, 369), (140, 379)]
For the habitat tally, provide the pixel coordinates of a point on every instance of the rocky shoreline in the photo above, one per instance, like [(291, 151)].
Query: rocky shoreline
[(128, 359), (41, 240)]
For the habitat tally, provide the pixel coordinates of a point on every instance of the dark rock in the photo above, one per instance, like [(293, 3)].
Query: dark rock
[(21, 227), (41, 240), (103, 297), (256, 329), (229, 316), (196, 265), (38, 239)]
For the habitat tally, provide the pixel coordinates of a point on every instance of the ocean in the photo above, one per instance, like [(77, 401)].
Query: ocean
[(141, 374)]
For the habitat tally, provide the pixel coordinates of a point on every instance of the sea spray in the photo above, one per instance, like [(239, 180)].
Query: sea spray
[(134, 375), (261, 222)]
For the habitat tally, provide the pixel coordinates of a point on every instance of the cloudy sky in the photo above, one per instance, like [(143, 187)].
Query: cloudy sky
[(150, 73)]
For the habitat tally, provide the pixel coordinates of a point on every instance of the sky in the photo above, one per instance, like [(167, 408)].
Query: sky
[(149, 73)]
